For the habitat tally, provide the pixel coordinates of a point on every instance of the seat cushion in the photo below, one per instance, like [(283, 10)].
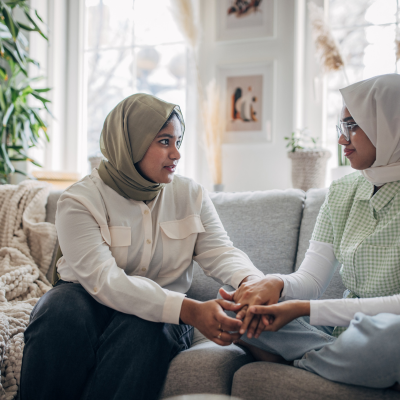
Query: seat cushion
[(265, 225), (51, 208), (313, 202), (263, 380), (204, 368)]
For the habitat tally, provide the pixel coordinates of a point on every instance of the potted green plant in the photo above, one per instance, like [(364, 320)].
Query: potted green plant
[(308, 160), (22, 125)]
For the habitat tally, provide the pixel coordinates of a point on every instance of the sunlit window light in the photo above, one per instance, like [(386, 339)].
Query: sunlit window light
[(127, 52)]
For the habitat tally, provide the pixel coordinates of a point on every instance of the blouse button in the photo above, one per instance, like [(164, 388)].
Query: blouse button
[(143, 269), (146, 212), (95, 289), (148, 241)]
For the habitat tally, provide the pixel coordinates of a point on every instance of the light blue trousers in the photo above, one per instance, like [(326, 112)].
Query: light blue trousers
[(366, 354)]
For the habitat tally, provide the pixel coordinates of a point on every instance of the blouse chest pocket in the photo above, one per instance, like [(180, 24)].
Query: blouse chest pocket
[(377, 270), (121, 240), (179, 239)]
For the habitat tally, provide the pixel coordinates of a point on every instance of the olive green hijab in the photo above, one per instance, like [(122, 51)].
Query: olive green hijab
[(128, 131)]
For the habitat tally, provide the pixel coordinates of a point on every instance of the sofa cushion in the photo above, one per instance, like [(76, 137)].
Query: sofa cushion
[(312, 204), (265, 225), (204, 368), (51, 206), (263, 380)]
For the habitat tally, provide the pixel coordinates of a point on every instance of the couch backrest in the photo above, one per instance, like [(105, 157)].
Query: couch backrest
[(312, 204), (265, 225), (51, 206)]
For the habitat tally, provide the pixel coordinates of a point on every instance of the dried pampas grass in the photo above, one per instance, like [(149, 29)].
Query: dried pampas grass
[(213, 130), (185, 18), (328, 50), (397, 41)]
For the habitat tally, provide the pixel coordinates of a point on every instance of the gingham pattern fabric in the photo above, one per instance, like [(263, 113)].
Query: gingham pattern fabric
[(365, 232)]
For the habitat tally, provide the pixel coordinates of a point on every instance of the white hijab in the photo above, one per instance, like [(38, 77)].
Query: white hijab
[(375, 106)]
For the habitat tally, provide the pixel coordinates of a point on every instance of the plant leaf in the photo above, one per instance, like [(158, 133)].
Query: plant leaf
[(7, 114), (26, 27), (18, 171), (42, 90), (6, 158), (42, 99), (38, 16), (15, 56), (35, 25), (9, 21)]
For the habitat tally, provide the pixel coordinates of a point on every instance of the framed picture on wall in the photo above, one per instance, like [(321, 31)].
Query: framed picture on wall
[(245, 19), (248, 96)]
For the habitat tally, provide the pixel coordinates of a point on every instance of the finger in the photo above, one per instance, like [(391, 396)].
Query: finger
[(235, 336), (246, 321), (221, 342), (242, 313), (251, 330), (228, 337), (228, 323), (226, 295), (268, 320), (229, 306), (274, 325), (262, 309), (260, 327)]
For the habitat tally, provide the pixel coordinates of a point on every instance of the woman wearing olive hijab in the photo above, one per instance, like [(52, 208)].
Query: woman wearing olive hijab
[(129, 233)]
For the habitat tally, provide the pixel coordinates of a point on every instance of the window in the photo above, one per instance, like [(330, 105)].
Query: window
[(130, 47), (366, 32)]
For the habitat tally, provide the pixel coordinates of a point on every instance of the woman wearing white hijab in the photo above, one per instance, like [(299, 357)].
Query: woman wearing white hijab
[(359, 227)]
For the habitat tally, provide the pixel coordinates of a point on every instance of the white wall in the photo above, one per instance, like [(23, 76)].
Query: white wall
[(254, 166)]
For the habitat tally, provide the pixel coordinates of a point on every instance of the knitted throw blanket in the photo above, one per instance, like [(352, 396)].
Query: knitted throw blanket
[(26, 250)]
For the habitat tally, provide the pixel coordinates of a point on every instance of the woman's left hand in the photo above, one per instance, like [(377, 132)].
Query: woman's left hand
[(278, 315), (253, 292)]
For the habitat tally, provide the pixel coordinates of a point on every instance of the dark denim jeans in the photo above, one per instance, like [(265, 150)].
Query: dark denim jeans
[(77, 348)]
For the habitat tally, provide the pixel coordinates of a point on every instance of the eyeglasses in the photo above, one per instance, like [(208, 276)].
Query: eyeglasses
[(345, 128)]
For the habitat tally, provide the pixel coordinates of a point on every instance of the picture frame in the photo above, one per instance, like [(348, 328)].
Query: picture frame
[(248, 101), (258, 22)]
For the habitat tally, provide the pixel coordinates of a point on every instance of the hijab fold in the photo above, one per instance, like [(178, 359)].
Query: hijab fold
[(128, 132), (375, 106)]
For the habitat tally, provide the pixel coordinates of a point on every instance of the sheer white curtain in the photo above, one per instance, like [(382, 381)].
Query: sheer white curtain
[(130, 47)]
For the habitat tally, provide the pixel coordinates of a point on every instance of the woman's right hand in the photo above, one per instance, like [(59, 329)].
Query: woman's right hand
[(254, 293), (210, 319)]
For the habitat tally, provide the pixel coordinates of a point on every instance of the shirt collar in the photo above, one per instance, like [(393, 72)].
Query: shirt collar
[(385, 194), (365, 190)]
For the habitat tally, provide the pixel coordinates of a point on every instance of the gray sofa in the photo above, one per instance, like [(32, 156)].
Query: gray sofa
[(273, 228)]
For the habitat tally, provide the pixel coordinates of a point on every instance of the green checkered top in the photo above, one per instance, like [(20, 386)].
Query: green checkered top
[(365, 232), (364, 229)]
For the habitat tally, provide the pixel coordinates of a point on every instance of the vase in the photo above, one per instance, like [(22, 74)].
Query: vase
[(309, 168)]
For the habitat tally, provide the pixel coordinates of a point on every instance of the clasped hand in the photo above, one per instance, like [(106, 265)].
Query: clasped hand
[(210, 319), (254, 293)]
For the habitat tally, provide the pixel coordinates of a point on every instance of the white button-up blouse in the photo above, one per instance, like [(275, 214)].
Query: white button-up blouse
[(137, 258)]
